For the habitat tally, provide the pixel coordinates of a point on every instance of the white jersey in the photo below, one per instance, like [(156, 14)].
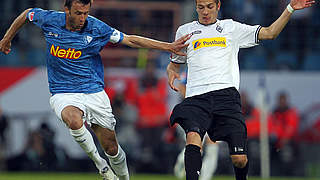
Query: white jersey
[(212, 54)]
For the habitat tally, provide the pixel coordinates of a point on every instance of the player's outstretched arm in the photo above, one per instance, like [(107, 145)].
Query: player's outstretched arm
[(5, 43), (142, 42), (173, 73), (276, 27)]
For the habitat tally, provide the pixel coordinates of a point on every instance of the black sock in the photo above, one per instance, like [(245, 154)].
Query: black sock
[(241, 173), (193, 162)]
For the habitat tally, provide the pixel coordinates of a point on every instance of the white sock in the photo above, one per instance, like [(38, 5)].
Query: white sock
[(179, 169), (119, 164), (209, 161), (83, 137)]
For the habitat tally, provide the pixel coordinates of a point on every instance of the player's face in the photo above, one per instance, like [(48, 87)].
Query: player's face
[(207, 11), (77, 15)]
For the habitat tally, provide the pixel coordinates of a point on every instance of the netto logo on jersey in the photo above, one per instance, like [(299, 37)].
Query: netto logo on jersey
[(62, 53), (209, 42)]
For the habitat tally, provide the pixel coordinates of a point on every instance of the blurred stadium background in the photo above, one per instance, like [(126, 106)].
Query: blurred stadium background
[(32, 139)]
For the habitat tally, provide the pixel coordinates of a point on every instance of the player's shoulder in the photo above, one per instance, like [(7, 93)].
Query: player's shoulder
[(226, 22), (186, 26), (229, 24), (232, 22), (95, 21), (49, 17), (48, 13), (98, 25), (55, 18)]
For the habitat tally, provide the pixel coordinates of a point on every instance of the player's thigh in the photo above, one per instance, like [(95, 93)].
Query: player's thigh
[(72, 116), (228, 122), (234, 133), (107, 139), (192, 115), (99, 110), (70, 104)]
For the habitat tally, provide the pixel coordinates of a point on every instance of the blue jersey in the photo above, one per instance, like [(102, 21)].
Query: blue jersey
[(183, 76), (73, 61)]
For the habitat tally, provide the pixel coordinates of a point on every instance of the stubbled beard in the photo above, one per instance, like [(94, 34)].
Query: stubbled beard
[(73, 25)]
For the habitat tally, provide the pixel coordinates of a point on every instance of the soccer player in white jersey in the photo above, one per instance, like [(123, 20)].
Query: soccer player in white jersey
[(75, 74), (212, 103), (210, 148)]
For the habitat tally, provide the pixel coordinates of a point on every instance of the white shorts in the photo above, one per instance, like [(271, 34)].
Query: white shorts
[(96, 107)]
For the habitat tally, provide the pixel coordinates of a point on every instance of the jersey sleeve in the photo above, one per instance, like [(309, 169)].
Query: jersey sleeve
[(38, 16), (176, 58), (110, 34), (246, 35), (116, 36)]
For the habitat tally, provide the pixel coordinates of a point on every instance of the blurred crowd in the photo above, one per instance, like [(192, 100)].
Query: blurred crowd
[(295, 49), (141, 107)]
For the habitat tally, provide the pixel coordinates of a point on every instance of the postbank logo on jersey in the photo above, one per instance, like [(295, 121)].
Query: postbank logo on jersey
[(209, 42), (66, 54)]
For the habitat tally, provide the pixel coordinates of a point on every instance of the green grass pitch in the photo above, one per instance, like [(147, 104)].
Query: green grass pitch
[(91, 176)]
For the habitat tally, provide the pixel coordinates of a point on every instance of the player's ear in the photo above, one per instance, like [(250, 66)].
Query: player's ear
[(66, 10), (219, 4)]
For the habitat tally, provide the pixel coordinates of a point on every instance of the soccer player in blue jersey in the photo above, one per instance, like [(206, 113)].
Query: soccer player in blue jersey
[(75, 74)]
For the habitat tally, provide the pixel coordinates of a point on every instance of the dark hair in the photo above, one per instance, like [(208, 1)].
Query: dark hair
[(217, 1), (68, 3)]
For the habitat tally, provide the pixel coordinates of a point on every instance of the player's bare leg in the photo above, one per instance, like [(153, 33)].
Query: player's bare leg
[(72, 116), (241, 166), (113, 151)]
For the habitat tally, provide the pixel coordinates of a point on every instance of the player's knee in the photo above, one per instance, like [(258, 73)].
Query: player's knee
[(194, 138), (239, 161), (193, 135), (76, 124), (72, 119), (112, 149)]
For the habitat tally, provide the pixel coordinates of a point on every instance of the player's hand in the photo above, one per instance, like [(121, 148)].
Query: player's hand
[(179, 44), (5, 46), (301, 4), (172, 75)]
